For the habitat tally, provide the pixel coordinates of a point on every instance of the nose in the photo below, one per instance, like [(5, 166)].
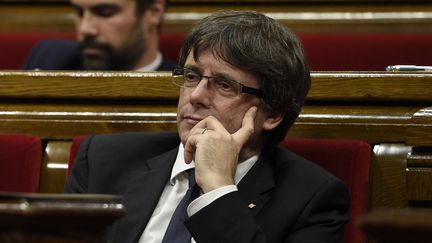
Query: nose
[(86, 24), (201, 94)]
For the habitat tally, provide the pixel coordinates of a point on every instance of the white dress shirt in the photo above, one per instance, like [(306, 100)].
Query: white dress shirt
[(174, 191), (153, 65)]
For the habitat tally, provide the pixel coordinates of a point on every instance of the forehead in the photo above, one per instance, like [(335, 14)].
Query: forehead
[(209, 64), (92, 3)]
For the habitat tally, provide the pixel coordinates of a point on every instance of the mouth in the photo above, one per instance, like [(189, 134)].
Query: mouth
[(191, 120), (93, 51)]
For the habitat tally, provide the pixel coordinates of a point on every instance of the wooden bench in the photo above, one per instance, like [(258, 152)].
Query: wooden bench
[(391, 111)]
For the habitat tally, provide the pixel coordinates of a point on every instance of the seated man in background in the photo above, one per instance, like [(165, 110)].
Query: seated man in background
[(112, 35), (243, 80)]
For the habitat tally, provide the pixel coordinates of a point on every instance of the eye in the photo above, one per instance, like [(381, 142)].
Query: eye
[(79, 11), (105, 11), (191, 77), (225, 85)]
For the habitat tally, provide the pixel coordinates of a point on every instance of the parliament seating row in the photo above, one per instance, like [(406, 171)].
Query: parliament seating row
[(325, 51), (392, 112)]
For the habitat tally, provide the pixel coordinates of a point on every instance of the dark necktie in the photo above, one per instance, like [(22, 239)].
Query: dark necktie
[(176, 231)]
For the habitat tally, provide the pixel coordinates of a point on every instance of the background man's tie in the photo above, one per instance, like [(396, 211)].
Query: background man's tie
[(176, 231)]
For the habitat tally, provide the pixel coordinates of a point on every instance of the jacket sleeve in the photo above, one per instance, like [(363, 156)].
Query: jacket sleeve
[(228, 219), (77, 182)]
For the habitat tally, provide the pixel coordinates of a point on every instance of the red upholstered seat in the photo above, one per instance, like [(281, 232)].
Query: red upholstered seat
[(20, 162), (366, 51), (325, 51), (350, 161), (15, 47)]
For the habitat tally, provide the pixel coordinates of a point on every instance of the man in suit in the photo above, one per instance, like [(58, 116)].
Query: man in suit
[(112, 35), (243, 80)]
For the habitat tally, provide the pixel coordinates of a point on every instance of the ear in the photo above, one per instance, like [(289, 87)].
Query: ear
[(273, 120), (156, 12)]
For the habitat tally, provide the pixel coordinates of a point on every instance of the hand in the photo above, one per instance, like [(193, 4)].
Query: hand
[(216, 151)]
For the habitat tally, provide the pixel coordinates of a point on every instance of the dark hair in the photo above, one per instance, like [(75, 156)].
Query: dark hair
[(255, 43), (143, 5)]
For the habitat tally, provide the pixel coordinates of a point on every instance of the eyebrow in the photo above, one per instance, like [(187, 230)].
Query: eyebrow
[(219, 75), (97, 7)]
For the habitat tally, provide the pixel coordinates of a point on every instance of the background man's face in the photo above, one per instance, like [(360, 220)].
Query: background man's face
[(111, 34)]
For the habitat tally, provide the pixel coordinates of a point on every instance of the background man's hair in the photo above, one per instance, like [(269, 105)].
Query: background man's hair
[(143, 5), (255, 43)]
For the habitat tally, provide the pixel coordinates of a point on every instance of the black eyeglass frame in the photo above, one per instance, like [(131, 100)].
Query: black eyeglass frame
[(243, 88)]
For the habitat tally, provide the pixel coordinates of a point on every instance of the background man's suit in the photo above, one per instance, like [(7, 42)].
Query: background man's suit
[(289, 193), (65, 55)]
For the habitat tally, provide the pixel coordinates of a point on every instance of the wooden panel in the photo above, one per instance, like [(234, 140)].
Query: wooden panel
[(375, 124), (398, 225), (334, 86), (419, 184), (54, 166), (87, 85), (61, 105), (301, 16), (371, 86), (388, 187), (42, 218), (420, 135), (64, 120)]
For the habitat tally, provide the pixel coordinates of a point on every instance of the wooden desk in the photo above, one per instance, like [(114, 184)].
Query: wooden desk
[(398, 225), (57, 218)]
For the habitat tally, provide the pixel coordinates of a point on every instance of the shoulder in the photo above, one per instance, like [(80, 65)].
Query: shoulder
[(111, 160), (152, 142), (54, 55), (167, 65), (301, 175)]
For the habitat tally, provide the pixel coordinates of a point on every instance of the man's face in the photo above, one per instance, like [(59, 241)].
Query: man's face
[(199, 102), (111, 34)]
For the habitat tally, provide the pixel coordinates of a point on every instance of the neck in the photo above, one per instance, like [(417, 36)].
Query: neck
[(149, 54), (249, 149)]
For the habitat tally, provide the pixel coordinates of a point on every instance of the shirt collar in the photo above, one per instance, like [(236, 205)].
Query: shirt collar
[(180, 166), (153, 65)]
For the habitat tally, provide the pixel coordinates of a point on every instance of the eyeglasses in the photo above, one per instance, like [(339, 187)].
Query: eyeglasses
[(185, 77)]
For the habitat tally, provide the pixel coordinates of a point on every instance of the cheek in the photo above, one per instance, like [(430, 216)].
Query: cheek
[(118, 30), (232, 117)]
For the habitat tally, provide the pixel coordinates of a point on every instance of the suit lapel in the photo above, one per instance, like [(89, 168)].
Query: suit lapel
[(142, 196), (256, 186)]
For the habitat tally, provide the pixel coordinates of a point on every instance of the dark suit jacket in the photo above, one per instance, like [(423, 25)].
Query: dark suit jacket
[(295, 200), (65, 55)]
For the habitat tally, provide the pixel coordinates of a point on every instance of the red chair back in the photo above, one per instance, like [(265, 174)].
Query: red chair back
[(15, 47), (20, 163), (347, 159)]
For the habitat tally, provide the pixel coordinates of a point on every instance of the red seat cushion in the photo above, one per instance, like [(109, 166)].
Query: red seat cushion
[(15, 47), (20, 163), (325, 51), (350, 161), (366, 51)]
